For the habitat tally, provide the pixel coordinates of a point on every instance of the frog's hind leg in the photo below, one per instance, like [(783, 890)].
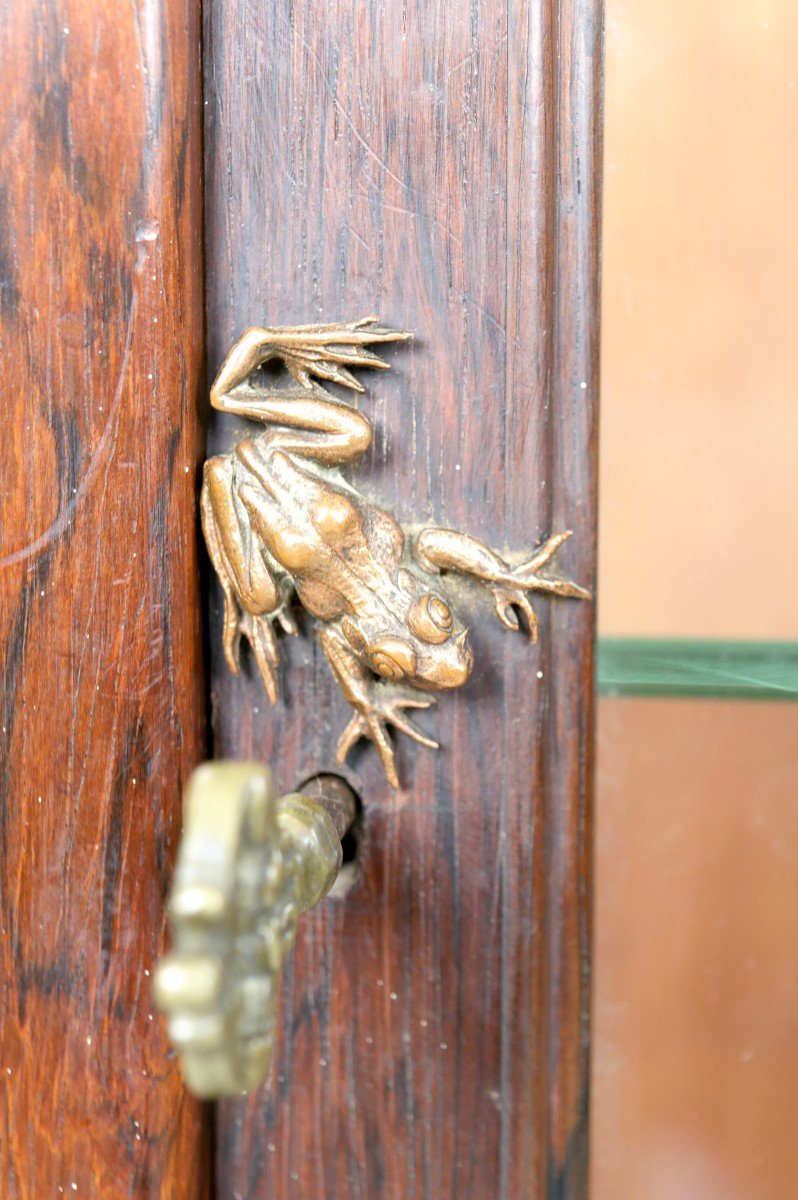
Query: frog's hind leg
[(251, 594), (310, 423), (307, 418)]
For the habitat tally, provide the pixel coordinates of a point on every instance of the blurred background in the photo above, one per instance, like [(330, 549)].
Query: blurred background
[(696, 986)]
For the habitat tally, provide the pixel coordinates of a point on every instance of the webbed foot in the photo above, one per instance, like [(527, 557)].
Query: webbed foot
[(525, 578), (327, 351), (371, 721), (259, 633), (320, 352), (450, 550), (376, 705)]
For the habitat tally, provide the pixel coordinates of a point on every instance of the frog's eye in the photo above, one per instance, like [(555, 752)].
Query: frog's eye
[(392, 658), (431, 619)]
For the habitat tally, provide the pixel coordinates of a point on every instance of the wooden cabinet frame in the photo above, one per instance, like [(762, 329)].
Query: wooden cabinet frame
[(436, 163)]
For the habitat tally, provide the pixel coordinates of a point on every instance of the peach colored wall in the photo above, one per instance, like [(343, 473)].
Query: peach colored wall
[(699, 434)]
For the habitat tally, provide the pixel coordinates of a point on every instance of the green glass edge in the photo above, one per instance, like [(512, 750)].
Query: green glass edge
[(687, 667)]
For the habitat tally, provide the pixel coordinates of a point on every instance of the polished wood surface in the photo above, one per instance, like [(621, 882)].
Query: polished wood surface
[(102, 691), (436, 164)]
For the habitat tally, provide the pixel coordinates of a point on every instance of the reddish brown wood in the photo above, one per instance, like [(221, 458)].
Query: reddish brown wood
[(102, 693), (436, 163)]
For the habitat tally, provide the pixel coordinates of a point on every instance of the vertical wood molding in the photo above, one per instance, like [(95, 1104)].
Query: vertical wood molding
[(438, 164), (102, 689)]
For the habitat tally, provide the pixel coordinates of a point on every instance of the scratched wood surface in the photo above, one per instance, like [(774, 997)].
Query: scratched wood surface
[(436, 163), (102, 690)]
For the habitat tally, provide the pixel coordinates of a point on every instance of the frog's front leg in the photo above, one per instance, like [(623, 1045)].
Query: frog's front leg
[(448, 550), (376, 704), (251, 594)]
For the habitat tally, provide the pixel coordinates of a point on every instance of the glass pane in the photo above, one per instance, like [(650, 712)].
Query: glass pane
[(696, 952)]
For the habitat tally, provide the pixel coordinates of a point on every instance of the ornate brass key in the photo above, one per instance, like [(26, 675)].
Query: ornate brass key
[(249, 864)]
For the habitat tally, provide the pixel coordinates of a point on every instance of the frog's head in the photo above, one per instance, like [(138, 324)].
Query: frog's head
[(429, 650)]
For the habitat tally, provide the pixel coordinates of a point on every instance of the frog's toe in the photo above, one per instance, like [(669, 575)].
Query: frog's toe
[(231, 633), (412, 700), (385, 751), (379, 736), (260, 635), (391, 710), (354, 730), (369, 726), (506, 600), (287, 621), (412, 730)]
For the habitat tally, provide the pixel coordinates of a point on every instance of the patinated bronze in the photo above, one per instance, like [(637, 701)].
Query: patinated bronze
[(280, 523)]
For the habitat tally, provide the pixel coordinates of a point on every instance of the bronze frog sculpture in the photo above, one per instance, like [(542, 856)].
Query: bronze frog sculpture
[(280, 522)]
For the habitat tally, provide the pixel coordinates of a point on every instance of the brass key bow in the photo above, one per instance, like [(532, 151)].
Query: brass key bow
[(248, 865)]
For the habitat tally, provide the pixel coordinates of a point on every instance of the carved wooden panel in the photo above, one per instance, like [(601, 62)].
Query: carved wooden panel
[(101, 679), (438, 164)]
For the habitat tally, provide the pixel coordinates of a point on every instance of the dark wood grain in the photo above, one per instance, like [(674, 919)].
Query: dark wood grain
[(436, 163), (102, 691)]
